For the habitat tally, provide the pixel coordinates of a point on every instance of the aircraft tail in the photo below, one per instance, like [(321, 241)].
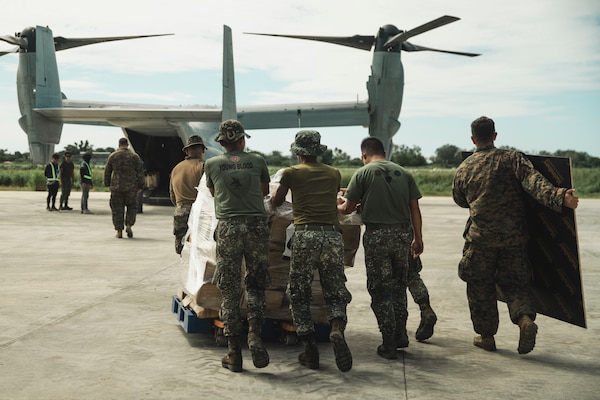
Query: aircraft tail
[(229, 102), (42, 90)]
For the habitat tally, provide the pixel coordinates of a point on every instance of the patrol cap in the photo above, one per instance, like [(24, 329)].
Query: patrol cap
[(230, 131), (194, 140), (308, 143)]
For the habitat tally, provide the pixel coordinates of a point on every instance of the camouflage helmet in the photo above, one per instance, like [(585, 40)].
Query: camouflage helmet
[(194, 140), (230, 131), (308, 143)]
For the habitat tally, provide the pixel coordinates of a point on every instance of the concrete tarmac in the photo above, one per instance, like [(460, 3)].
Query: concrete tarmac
[(84, 315)]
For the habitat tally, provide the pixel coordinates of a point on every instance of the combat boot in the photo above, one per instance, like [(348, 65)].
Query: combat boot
[(401, 334), (343, 357), (485, 342), (528, 331), (129, 231), (310, 356), (428, 320), (233, 359), (260, 357), (388, 348)]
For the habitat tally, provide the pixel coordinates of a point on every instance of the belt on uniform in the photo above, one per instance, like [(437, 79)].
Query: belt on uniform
[(317, 227), (374, 227)]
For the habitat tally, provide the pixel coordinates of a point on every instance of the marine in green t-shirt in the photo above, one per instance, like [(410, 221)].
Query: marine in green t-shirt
[(239, 181), (317, 244)]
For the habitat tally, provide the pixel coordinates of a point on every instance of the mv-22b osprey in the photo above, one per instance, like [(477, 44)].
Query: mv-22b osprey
[(157, 132)]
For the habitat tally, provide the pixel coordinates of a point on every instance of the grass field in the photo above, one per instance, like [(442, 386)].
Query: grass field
[(431, 181)]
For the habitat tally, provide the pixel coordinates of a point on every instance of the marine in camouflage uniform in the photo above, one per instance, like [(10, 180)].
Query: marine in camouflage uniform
[(185, 178), (317, 244), (124, 176), (490, 183), (239, 181), (389, 204)]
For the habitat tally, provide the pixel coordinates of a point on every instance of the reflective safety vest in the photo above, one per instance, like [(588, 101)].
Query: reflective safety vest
[(89, 174), (55, 173)]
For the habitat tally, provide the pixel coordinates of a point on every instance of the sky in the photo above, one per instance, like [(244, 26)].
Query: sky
[(538, 75)]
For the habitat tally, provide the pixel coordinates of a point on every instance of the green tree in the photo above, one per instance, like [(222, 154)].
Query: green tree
[(579, 159), (327, 157), (104, 150), (341, 158), (447, 155), (409, 157), (79, 148), (276, 158)]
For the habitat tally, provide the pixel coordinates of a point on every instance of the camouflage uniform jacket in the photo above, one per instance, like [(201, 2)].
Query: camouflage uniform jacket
[(124, 171), (491, 183)]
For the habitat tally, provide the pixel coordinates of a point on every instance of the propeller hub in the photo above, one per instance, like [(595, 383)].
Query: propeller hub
[(29, 35)]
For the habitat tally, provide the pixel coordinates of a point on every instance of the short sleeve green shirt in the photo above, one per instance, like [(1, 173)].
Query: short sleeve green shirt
[(384, 190), (236, 177), (314, 189)]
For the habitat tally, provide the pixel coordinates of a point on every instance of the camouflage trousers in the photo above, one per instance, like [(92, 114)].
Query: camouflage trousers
[(242, 238), (484, 269), (387, 274), (322, 251), (123, 205), (180, 223), (416, 286)]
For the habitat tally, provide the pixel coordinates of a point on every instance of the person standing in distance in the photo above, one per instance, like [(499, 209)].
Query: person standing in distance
[(52, 174), (67, 178), (490, 183), (317, 244), (86, 182), (183, 191), (239, 181), (389, 202), (124, 176)]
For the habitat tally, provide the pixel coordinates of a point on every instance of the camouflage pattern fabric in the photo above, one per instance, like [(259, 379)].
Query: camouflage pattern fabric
[(119, 201), (416, 286), (246, 237), (387, 274), (490, 183), (180, 223), (323, 251), (124, 171), (482, 268), (124, 175)]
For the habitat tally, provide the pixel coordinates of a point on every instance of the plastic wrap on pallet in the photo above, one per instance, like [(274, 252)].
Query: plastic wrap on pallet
[(199, 252)]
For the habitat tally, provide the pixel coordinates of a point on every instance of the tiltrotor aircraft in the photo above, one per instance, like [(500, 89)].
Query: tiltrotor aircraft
[(157, 132)]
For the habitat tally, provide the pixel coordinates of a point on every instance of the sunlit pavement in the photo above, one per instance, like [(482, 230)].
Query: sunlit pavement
[(84, 315)]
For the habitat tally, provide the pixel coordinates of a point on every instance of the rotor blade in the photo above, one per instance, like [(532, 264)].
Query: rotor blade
[(356, 41), (17, 41), (63, 43), (5, 52), (406, 46), (436, 23)]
